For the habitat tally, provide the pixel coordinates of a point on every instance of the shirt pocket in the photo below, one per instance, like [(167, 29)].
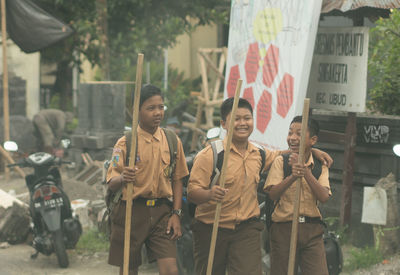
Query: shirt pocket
[(290, 193), (229, 180), (142, 168)]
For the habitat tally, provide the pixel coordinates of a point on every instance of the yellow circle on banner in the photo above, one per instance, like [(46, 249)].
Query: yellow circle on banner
[(267, 25)]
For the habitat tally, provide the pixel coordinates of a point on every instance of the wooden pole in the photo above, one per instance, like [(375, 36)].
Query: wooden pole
[(132, 159), (8, 158), (222, 177), (6, 113), (295, 221), (195, 135), (348, 158), (348, 169)]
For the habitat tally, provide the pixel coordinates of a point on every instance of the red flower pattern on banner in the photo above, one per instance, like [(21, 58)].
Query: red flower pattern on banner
[(249, 95), (251, 65), (285, 95), (264, 111), (271, 65), (234, 75)]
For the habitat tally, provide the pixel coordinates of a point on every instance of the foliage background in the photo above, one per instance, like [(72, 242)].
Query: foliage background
[(384, 65), (110, 34)]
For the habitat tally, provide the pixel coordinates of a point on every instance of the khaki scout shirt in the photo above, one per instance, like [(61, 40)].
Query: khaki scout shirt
[(241, 180), (308, 202), (152, 163)]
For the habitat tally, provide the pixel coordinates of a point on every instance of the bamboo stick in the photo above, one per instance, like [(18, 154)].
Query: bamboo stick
[(132, 159), (222, 177), (295, 221)]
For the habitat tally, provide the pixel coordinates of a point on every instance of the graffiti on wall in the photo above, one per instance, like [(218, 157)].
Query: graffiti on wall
[(376, 133)]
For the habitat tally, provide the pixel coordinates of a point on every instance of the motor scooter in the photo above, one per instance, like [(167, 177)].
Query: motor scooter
[(55, 229)]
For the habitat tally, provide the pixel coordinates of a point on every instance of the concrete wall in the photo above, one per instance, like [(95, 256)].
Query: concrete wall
[(182, 56), (26, 66)]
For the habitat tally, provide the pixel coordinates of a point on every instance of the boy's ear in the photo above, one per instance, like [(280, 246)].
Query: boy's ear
[(314, 140), (223, 124)]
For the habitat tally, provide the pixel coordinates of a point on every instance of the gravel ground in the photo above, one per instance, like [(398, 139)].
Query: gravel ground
[(15, 259)]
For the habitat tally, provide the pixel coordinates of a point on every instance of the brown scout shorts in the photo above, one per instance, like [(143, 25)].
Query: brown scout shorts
[(149, 225), (310, 248), (236, 250)]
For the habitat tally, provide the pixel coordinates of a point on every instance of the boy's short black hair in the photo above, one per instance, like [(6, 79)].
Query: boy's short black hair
[(146, 92), (313, 126), (226, 106)]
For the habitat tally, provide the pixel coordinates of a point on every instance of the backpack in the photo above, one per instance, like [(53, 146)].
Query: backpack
[(334, 255), (217, 147), (287, 171), (112, 198)]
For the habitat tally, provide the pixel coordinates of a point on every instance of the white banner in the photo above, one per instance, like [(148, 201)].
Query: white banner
[(338, 78), (270, 47)]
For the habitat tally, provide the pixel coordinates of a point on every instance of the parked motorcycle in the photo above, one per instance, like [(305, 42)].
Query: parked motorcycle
[(55, 229)]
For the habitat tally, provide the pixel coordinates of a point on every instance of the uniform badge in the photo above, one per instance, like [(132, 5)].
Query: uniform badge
[(115, 160)]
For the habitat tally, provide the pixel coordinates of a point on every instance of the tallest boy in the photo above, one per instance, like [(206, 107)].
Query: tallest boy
[(157, 195)]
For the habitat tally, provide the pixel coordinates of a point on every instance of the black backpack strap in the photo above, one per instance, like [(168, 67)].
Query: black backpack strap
[(317, 168), (263, 156), (173, 149), (287, 169)]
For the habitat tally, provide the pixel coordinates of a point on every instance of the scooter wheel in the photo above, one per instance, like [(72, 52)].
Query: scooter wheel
[(59, 248)]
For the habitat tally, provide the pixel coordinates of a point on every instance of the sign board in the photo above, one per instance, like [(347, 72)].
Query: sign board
[(270, 47), (374, 209), (338, 77)]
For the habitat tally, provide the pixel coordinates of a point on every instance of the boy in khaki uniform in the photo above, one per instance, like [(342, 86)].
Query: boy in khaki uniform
[(156, 209), (310, 246), (238, 245)]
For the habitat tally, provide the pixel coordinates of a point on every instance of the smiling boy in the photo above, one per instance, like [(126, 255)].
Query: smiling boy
[(157, 191), (238, 245), (314, 188)]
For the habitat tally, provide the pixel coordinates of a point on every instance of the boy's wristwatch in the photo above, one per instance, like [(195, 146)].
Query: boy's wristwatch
[(177, 212)]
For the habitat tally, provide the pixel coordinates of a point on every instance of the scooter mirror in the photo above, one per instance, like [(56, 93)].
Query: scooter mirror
[(213, 133), (10, 146), (396, 150), (65, 143)]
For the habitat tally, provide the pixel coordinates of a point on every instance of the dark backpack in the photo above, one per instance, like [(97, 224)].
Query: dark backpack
[(333, 251), (218, 159), (287, 171), (112, 198)]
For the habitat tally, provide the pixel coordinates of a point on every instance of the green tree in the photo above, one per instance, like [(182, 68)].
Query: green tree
[(132, 26), (383, 65)]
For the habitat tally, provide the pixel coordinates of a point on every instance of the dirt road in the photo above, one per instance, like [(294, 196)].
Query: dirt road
[(15, 260)]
